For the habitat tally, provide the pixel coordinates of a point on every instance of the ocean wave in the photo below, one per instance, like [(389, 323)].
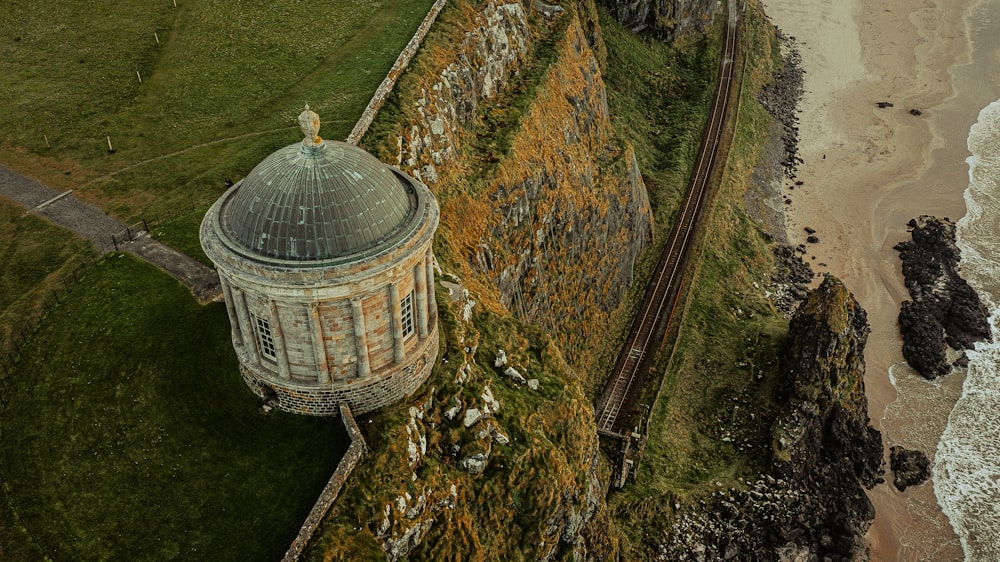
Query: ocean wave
[(967, 461)]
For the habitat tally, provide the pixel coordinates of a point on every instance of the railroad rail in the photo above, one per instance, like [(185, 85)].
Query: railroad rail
[(653, 317)]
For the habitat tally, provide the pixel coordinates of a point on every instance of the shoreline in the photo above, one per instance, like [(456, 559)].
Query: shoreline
[(865, 172)]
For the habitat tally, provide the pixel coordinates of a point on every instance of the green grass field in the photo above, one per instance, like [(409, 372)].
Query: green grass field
[(129, 434), (219, 91)]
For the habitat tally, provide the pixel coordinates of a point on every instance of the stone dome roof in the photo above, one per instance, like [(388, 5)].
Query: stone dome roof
[(318, 200)]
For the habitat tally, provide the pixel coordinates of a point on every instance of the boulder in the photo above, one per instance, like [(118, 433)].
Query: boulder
[(909, 467)]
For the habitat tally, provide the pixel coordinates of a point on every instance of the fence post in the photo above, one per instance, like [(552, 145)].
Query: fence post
[(145, 226), (129, 232), (115, 241)]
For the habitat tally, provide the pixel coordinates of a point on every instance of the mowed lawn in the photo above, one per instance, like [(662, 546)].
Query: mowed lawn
[(129, 434), (189, 96)]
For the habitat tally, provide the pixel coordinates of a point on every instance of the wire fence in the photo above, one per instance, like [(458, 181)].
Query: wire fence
[(11, 351), (131, 232)]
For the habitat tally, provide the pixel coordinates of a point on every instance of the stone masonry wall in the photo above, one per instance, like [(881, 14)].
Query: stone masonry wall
[(362, 395), (402, 62), (330, 492)]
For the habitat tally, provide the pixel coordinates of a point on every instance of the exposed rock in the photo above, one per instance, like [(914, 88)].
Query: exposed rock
[(789, 279), (475, 464), (499, 437), (501, 358), (909, 467), (916, 112), (667, 19), (945, 310), (810, 230), (814, 507), (812, 239), (514, 375), (533, 384), (472, 415), (884, 104)]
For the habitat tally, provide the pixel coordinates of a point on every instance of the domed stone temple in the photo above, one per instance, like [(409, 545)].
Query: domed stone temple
[(325, 259)]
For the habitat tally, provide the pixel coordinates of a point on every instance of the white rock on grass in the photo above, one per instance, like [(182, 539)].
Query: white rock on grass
[(472, 415), (514, 375), (501, 358)]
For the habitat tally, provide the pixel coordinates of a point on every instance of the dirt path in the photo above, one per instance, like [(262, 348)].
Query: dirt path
[(91, 223)]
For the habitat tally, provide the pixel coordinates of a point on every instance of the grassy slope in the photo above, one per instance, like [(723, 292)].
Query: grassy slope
[(226, 77), (701, 431), (131, 436)]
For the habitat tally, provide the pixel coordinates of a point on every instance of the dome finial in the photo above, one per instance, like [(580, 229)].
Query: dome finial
[(309, 123)]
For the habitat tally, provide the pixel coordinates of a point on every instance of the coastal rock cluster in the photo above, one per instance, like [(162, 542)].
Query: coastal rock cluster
[(945, 310), (790, 278), (781, 97), (812, 505)]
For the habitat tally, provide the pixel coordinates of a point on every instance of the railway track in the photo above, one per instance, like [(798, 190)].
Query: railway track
[(660, 299)]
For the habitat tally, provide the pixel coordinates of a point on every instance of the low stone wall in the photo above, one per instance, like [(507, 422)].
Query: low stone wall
[(354, 453), (402, 61)]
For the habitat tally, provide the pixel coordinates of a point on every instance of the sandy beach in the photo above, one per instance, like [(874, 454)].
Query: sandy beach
[(868, 170)]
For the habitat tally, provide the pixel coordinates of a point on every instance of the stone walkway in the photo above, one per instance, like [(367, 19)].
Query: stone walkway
[(90, 222)]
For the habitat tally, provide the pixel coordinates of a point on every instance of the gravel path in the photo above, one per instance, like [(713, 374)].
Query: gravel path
[(90, 222)]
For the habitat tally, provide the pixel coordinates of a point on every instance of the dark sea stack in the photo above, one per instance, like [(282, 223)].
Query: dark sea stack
[(945, 310), (812, 505), (909, 467)]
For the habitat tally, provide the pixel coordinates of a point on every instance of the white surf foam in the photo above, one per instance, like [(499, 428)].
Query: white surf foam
[(967, 461)]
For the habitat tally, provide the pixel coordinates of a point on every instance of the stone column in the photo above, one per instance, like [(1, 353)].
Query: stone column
[(360, 338), (243, 313), (431, 299), (420, 278), (397, 323), (279, 342), (323, 375), (234, 320)]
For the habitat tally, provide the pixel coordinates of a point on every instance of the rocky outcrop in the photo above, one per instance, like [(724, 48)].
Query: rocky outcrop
[(666, 18), (510, 128), (909, 467), (790, 278), (945, 310), (812, 505)]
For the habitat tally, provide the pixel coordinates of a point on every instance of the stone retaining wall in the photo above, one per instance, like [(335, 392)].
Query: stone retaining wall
[(402, 61), (333, 486)]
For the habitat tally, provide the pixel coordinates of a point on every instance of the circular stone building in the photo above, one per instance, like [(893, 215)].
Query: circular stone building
[(324, 254)]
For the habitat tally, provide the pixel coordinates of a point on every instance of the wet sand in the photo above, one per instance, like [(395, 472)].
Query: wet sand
[(866, 171)]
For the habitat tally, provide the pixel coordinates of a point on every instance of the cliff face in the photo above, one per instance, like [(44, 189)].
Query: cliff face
[(511, 131), (504, 116), (666, 18), (812, 505)]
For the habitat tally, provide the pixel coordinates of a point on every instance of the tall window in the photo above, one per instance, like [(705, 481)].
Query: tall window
[(407, 314), (265, 339)]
